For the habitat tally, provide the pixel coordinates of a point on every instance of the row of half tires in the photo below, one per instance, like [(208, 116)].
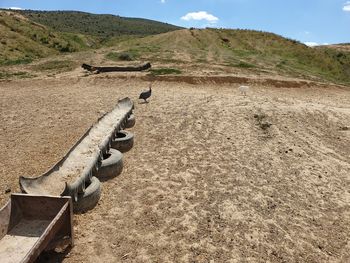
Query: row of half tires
[(111, 166)]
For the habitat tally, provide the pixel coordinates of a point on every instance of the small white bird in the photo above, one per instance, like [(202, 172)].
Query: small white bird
[(244, 90)]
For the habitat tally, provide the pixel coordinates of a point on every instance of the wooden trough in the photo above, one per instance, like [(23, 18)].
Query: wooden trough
[(31, 224), (116, 69)]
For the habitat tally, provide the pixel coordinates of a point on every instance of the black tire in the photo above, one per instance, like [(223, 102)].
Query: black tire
[(123, 142), (130, 121), (111, 166), (89, 199)]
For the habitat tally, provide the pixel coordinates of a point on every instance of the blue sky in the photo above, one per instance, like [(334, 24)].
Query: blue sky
[(318, 21)]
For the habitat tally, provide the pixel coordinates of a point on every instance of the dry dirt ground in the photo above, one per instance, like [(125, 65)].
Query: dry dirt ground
[(213, 176)]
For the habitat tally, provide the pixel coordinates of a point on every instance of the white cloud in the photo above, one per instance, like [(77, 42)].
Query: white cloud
[(162, 1), (311, 44), (14, 8), (201, 15), (346, 7), (314, 44)]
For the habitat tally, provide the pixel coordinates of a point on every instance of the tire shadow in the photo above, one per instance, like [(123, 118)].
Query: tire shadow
[(53, 256)]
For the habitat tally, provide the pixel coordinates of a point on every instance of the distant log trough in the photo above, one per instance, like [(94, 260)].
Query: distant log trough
[(117, 69)]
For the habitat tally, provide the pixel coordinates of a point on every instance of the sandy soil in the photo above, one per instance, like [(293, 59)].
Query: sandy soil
[(213, 176)]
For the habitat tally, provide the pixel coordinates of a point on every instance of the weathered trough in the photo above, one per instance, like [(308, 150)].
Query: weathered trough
[(74, 171), (116, 69), (31, 224)]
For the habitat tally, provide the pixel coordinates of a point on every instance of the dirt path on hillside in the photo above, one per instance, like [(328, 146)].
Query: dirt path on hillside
[(213, 176)]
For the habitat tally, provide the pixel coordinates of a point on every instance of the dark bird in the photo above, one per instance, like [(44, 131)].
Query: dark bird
[(146, 94)]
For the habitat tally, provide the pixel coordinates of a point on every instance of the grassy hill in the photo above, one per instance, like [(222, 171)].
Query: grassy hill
[(345, 47), (26, 35), (22, 40), (245, 49), (98, 25)]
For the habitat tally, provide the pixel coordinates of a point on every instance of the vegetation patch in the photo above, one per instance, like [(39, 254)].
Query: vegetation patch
[(56, 65), (281, 64), (165, 71), (104, 26), (261, 121), (243, 64), (124, 56), (9, 62), (20, 75), (202, 60)]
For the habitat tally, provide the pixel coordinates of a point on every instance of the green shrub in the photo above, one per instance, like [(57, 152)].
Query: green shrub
[(242, 64), (124, 56)]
